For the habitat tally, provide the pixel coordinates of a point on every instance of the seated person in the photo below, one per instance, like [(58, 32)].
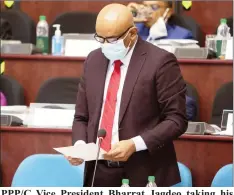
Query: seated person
[(159, 24), (5, 34), (2, 96), (3, 99), (191, 109)]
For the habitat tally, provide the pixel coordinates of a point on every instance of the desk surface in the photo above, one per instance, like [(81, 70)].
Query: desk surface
[(56, 130), (203, 155), (68, 58)]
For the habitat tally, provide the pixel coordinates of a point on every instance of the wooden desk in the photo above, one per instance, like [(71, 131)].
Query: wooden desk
[(31, 71), (204, 155)]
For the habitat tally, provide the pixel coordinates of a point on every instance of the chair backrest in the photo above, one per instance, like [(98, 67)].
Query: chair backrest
[(23, 27), (190, 24), (73, 22), (58, 90), (223, 100), (192, 92), (224, 177), (12, 90), (47, 170), (5, 30), (185, 176)]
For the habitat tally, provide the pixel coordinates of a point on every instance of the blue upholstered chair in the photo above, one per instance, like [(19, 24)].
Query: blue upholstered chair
[(47, 170), (224, 177), (185, 176)]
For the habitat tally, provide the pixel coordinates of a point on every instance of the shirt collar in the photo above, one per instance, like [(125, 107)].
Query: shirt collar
[(127, 58)]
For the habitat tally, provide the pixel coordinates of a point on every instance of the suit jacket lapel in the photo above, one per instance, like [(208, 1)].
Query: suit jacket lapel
[(100, 75), (136, 63)]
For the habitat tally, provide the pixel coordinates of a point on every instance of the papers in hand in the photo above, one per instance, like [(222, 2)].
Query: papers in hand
[(87, 152)]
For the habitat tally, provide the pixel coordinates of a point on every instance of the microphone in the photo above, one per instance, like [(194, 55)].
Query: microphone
[(101, 135)]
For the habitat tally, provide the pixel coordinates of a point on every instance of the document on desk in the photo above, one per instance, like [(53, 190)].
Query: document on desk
[(87, 152), (51, 118)]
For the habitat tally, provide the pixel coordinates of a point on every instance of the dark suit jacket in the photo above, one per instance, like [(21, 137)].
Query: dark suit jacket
[(152, 105)]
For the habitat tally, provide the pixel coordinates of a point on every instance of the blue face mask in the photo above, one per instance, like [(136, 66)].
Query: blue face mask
[(115, 51)]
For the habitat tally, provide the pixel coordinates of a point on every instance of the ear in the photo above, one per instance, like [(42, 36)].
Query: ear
[(133, 33)]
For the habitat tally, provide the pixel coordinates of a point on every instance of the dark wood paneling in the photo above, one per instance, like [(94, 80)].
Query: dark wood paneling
[(31, 71), (204, 158), (17, 145), (53, 8), (204, 155), (16, 6), (207, 78), (206, 13)]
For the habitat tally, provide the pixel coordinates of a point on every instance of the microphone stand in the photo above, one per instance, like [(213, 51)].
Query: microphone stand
[(99, 147)]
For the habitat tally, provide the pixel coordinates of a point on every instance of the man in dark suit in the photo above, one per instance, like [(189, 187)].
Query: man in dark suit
[(136, 92)]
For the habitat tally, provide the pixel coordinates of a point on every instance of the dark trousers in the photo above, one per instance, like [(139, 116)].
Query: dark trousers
[(105, 176)]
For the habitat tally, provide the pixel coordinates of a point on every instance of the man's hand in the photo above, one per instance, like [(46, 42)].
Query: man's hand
[(74, 161), (121, 151)]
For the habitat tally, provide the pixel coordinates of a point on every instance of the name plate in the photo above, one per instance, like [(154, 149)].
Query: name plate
[(80, 48), (196, 128), (51, 118), (200, 128)]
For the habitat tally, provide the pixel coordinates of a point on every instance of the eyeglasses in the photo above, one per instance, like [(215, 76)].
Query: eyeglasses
[(110, 39), (155, 7)]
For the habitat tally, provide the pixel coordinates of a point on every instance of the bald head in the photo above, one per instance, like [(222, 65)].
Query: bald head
[(113, 20)]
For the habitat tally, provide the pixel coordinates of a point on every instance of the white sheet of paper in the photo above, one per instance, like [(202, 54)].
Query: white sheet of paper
[(80, 48), (229, 49), (87, 152), (46, 117)]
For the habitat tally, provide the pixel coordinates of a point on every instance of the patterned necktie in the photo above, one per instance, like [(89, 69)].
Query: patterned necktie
[(109, 106)]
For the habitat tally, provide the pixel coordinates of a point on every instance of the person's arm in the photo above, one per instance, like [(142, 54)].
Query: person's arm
[(189, 35), (171, 90), (81, 118), (191, 109)]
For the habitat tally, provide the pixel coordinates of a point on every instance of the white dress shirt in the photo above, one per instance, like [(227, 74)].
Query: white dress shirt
[(138, 141)]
